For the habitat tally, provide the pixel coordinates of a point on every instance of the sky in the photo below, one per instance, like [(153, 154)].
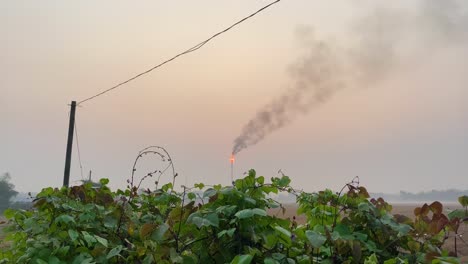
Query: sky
[(379, 90)]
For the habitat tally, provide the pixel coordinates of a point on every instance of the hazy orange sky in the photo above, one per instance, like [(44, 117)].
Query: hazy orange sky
[(406, 130)]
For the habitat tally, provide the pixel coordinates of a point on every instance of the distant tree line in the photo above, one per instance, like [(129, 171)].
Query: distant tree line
[(434, 195)]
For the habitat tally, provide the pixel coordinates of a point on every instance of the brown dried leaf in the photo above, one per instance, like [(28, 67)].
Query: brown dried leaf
[(147, 229), (436, 207)]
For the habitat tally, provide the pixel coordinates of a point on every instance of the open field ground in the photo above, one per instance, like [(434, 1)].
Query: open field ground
[(403, 209)]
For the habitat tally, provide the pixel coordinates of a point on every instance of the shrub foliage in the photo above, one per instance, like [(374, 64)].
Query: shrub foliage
[(222, 224)]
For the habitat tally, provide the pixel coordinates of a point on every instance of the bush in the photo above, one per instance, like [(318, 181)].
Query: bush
[(216, 224)]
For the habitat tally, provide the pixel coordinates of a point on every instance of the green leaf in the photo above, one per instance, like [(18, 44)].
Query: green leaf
[(229, 232), (101, 240), (104, 181), (364, 207), (199, 185), (167, 186), (279, 256), (40, 261), (64, 219), (110, 222), (191, 196), (315, 238), (284, 234), (247, 213), (270, 261), (62, 251), (250, 200), (9, 213), (83, 258), (209, 192), (304, 259), (284, 181), (88, 238), (53, 260), (175, 257), (242, 259), (258, 211), (252, 173), (460, 214), (73, 234), (372, 259), (158, 234), (204, 220), (260, 180), (114, 252)]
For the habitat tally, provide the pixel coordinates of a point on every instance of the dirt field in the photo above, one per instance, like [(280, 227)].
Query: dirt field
[(403, 209)]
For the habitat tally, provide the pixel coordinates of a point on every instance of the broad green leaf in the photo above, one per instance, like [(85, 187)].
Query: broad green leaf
[(250, 200), (53, 260), (261, 180), (83, 258), (258, 211), (110, 222), (304, 259), (191, 196), (372, 259), (9, 213), (209, 192), (364, 206), (73, 234), (270, 261), (101, 240), (114, 252), (175, 257), (279, 256), (199, 185), (104, 181), (229, 232), (204, 220), (315, 238), (62, 251), (158, 234), (247, 213), (284, 234), (65, 219), (242, 259), (460, 214), (88, 238), (284, 181)]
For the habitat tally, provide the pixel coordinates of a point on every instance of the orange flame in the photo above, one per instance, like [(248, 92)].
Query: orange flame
[(232, 159)]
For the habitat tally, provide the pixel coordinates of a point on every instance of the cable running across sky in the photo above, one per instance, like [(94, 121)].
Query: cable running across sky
[(192, 49)]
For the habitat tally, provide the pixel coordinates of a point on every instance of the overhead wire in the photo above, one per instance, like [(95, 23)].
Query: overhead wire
[(192, 49), (78, 150)]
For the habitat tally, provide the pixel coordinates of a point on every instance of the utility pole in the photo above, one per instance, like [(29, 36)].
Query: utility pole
[(71, 129)]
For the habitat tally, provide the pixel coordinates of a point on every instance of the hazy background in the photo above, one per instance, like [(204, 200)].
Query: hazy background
[(399, 121)]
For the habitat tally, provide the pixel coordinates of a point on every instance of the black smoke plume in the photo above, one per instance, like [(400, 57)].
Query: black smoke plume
[(379, 41)]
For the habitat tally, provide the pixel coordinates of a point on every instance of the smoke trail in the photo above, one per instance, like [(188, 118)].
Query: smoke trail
[(315, 82), (326, 69)]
